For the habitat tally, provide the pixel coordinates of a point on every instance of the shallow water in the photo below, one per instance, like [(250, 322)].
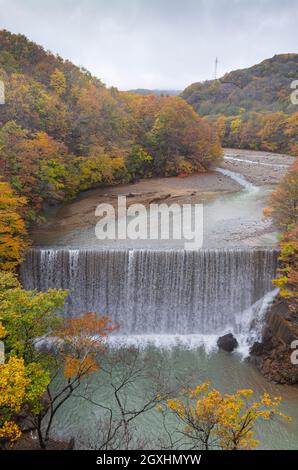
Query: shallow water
[(229, 220), (225, 372)]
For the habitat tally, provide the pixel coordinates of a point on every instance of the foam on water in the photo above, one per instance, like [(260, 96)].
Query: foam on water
[(248, 330)]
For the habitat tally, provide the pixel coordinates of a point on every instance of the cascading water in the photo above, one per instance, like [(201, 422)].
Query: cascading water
[(205, 292), (240, 179)]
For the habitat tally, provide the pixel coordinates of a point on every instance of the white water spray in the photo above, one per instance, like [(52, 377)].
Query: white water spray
[(239, 179), (165, 298)]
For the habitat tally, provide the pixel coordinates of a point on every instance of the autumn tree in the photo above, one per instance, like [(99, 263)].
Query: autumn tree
[(63, 131), (272, 133), (177, 133), (292, 133), (13, 235), (76, 354), (287, 280), (212, 420), (22, 381), (98, 119), (21, 389), (73, 349), (32, 106), (58, 82), (37, 166), (27, 316), (99, 167), (284, 200), (139, 163), (124, 372), (47, 171)]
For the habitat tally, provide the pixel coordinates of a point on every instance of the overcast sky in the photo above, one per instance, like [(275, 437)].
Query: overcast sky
[(157, 43)]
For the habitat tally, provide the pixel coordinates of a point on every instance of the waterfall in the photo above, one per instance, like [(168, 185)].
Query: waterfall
[(147, 292), (239, 179)]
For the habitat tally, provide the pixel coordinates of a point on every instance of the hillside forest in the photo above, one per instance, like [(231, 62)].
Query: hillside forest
[(252, 107), (63, 131)]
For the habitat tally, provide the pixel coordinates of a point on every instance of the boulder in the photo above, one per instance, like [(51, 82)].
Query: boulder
[(227, 342)]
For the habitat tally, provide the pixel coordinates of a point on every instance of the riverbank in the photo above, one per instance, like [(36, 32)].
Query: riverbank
[(80, 214), (273, 354), (259, 168)]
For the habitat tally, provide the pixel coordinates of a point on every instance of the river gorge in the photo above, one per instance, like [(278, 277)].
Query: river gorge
[(167, 301)]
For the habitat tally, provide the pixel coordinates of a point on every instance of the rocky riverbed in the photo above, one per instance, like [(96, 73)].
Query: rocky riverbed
[(260, 168), (67, 223)]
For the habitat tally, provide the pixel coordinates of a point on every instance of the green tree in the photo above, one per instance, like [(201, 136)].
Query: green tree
[(27, 319), (139, 163), (21, 389), (27, 316)]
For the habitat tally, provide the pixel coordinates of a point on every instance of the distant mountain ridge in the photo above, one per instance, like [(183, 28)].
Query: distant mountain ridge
[(147, 92), (265, 87)]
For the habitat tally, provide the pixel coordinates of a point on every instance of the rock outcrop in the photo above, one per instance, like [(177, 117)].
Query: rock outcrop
[(274, 355)]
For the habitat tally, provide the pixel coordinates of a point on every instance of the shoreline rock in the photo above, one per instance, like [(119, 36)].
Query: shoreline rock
[(272, 356), (227, 342)]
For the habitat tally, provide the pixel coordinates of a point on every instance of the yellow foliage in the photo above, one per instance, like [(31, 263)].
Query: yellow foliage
[(11, 431), (13, 382), (228, 419), (235, 126), (19, 385), (287, 280), (12, 229), (3, 331), (58, 82), (82, 341)]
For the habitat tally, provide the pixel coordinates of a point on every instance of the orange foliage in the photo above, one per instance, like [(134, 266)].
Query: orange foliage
[(82, 342), (266, 211), (285, 199), (74, 367), (13, 233)]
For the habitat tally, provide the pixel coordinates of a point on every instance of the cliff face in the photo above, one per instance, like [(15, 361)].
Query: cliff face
[(273, 355)]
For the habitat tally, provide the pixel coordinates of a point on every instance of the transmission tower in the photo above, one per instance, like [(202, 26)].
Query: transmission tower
[(215, 68)]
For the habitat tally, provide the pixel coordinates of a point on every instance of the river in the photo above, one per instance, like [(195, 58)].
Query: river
[(171, 303)]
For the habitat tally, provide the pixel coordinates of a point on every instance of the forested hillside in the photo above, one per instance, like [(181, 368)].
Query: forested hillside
[(272, 132), (62, 130), (263, 87), (253, 106)]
